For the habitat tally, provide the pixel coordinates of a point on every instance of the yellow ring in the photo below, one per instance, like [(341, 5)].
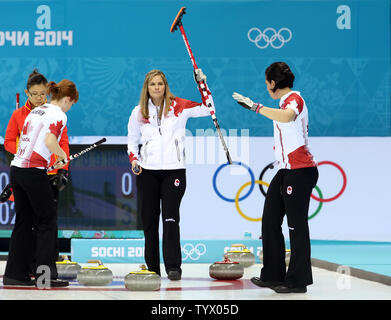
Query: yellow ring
[(237, 199)]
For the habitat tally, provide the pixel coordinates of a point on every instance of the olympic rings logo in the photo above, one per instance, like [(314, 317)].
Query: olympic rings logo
[(193, 252), (262, 183), (269, 37)]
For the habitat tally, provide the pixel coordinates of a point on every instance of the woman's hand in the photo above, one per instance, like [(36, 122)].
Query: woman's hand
[(246, 102), (199, 76), (136, 168), (62, 156)]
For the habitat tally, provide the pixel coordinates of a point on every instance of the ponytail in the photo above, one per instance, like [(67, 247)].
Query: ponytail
[(65, 88)]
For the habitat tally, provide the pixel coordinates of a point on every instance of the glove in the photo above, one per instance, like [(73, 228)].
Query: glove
[(246, 102), (199, 76), (6, 193), (60, 179)]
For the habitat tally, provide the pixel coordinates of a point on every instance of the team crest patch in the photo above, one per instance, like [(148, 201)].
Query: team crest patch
[(289, 190), (176, 182)]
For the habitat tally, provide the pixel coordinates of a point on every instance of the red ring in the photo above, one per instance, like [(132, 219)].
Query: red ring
[(343, 186)]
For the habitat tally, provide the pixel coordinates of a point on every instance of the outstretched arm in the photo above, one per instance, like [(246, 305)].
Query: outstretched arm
[(280, 115)]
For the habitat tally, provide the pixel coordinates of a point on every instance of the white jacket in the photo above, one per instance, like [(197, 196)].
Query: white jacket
[(162, 144), (32, 150), (291, 138)]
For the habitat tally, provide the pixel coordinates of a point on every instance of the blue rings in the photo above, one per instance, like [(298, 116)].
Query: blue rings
[(239, 164)]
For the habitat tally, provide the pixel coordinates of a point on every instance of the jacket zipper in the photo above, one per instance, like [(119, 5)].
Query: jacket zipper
[(178, 154), (145, 151), (159, 122), (282, 146)]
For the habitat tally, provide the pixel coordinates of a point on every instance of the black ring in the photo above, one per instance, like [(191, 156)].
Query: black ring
[(269, 166)]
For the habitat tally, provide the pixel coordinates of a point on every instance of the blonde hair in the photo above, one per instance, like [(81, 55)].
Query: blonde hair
[(144, 96)]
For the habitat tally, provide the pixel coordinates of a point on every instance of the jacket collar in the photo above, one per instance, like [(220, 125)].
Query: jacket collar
[(28, 105)]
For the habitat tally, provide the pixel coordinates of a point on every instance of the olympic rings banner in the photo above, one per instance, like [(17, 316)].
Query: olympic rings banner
[(338, 50), (350, 201)]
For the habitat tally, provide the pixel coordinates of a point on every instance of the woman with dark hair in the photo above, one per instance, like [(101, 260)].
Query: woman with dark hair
[(290, 189), (36, 92), (34, 199), (158, 125)]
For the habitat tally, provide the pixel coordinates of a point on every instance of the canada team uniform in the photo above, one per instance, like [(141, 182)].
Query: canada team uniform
[(13, 132), (289, 193), (158, 146), (34, 199), (291, 138), (32, 151)]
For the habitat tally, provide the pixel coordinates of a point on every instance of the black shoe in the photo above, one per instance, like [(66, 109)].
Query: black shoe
[(13, 282), (174, 275), (55, 283), (264, 284), (6, 193), (284, 289)]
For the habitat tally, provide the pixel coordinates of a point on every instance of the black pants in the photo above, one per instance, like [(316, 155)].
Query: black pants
[(35, 212), (165, 189), (289, 193), (33, 263)]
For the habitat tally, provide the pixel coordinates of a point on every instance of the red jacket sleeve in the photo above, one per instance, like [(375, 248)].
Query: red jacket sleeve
[(181, 104), (12, 134), (64, 144)]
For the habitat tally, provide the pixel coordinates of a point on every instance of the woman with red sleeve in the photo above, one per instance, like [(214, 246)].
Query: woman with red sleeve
[(36, 92), (34, 200), (158, 124), (290, 190)]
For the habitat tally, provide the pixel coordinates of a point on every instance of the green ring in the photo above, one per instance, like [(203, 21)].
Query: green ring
[(320, 203)]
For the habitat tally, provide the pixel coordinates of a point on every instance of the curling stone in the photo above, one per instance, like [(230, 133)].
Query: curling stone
[(96, 275), (244, 256), (226, 269), (67, 269), (143, 280)]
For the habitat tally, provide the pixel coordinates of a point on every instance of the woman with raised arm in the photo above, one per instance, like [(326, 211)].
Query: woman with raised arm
[(158, 126), (290, 189)]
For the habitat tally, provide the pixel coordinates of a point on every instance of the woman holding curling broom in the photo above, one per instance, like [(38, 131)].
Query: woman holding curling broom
[(36, 91), (158, 124), (34, 199)]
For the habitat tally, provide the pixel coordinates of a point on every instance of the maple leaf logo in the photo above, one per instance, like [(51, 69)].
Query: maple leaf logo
[(27, 128), (56, 128)]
